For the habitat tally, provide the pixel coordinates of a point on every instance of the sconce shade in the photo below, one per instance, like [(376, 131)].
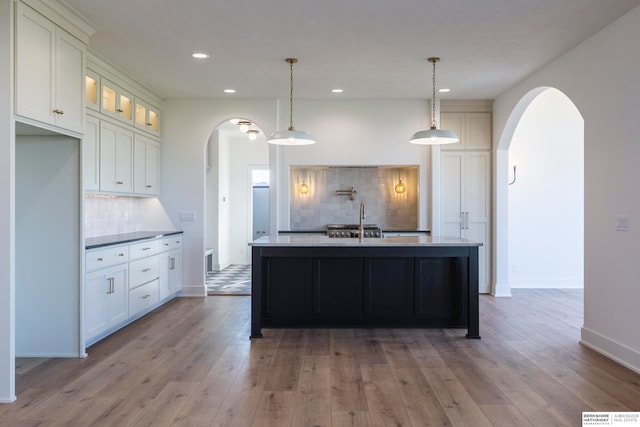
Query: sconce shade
[(400, 187)]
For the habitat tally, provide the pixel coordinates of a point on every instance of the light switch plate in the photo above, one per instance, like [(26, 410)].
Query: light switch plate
[(187, 216)]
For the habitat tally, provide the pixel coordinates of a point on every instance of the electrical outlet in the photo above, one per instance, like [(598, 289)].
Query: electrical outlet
[(622, 222)]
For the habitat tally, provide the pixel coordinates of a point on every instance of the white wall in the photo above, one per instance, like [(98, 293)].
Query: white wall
[(361, 132), (548, 195), (7, 195), (244, 153), (187, 126), (601, 77)]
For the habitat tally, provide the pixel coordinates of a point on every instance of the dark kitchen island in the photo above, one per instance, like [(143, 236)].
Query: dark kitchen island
[(400, 281)]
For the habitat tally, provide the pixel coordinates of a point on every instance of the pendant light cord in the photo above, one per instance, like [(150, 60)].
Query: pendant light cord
[(433, 93), (291, 61)]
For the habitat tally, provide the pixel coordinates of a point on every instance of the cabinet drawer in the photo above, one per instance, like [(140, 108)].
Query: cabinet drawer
[(143, 297), (144, 249), (171, 243), (100, 258), (143, 270)]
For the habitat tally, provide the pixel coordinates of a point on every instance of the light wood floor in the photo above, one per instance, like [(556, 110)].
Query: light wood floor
[(190, 363)]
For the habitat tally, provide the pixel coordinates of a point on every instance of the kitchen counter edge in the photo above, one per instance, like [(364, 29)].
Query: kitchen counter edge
[(118, 239), (310, 241)]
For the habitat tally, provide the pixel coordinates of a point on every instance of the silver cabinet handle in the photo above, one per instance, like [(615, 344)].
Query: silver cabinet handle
[(173, 263), (111, 281), (145, 270), (145, 249), (146, 296)]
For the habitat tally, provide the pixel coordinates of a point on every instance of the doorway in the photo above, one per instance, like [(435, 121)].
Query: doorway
[(545, 194), (233, 156)]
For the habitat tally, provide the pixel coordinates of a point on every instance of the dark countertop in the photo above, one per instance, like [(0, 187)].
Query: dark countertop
[(116, 239)]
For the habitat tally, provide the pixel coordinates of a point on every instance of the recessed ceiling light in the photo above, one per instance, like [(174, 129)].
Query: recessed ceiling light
[(229, 91), (201, 55), (444, 90), (337, 90)]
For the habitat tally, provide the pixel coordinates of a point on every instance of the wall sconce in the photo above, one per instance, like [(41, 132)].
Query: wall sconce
[(303, 188), (400, 187), (253, 134)]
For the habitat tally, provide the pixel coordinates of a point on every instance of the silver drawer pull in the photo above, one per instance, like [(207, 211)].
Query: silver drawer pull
[(146, 269), (120, 254), (100, 259), (166, 244), (146, 296), (148, 186), (145, 249), (119, 182)]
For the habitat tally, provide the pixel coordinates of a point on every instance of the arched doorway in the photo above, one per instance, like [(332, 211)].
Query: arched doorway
[(540, 195), (232, 155)]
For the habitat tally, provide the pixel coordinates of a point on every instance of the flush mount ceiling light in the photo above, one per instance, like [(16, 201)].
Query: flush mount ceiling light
[(253, 134), (291, 136), (201, 55), (244, 125), (434, 136)]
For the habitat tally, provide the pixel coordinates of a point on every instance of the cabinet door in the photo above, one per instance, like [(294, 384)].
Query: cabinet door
[(451, 193), (116, 156), (389, 288), (92, 90), (147, 117), (465, 189), (35, 64), (118, 305), (454, 122), (96, 318), (478, 131), (146, 155), (288, 285), (338, 289), (91, 155), (116, 102), (477, 207), (439, 295), (175, 271), (69, 81)]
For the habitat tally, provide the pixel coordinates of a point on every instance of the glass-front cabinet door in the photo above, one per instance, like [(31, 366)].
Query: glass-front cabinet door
[(116, 102), (147, 117), (92, 90)]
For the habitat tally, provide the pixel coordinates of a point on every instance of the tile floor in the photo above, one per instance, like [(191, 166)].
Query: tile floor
[(233, 280)]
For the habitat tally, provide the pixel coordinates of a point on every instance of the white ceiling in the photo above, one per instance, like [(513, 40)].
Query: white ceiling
[(369, 48)]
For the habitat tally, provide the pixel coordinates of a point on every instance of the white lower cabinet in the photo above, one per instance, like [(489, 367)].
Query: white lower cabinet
[(106, 300), (143, 297), (125, 281)]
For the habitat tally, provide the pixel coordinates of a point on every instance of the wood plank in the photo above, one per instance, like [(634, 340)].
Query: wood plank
[(190, 363)]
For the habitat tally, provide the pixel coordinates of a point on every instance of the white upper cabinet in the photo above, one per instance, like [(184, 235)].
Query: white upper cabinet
[(116, 102), (49, 72), (91, 155), (116, 158), (147, 116), (473, 129), (92, 90), (146, 158)]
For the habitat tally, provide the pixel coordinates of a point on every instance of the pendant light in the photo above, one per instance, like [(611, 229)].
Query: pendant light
[(291, 136), (434, 136)]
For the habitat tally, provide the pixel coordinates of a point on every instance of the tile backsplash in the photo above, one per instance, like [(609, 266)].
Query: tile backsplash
[(373, 185), (107, 215)]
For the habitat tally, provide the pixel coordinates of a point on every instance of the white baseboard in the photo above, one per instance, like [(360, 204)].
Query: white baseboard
[(501, 290), (614, 350), (547, 282), (9, 400), (193, 291)]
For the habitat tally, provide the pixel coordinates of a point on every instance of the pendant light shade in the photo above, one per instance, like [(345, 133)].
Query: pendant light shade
[(433, 135), (291, 136)]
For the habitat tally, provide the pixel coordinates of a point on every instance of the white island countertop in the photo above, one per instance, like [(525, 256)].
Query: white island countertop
[(389, 241)]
